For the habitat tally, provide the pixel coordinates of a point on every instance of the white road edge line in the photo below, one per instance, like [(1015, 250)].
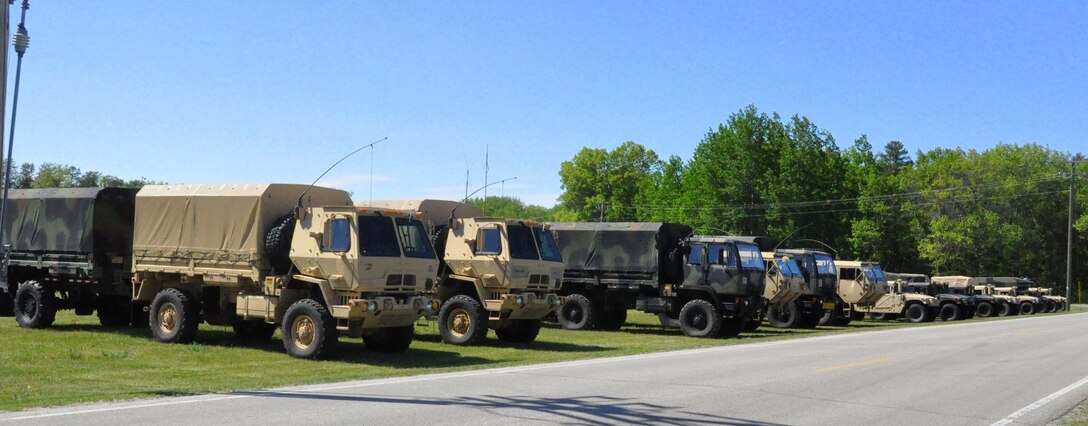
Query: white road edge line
[(1035, 405), (499, 370)]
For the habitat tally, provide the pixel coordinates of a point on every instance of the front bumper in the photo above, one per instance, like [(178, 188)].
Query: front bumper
[(531, 306), (380, 312)]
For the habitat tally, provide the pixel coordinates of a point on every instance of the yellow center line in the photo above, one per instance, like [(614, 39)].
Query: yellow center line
[(855, 364)]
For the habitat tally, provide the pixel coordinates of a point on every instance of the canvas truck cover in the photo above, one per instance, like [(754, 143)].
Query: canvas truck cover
[(619, 249), (70, 220), (184, 228), (435, 212)]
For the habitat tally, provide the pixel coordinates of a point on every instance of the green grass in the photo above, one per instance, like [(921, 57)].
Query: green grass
[(78, 361)]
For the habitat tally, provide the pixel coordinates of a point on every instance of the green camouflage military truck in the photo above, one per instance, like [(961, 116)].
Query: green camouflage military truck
[(69, 249), (707, 285)]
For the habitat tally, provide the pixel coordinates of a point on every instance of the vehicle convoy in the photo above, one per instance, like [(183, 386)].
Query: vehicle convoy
[(900, 302), (1054, 303), (988, 302), (817, 293), (860, 286), (69, 249), (1017, 288), (953, 307), (707, 285), (494, 272)]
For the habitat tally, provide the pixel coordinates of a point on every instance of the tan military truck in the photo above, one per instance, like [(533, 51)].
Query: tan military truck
[(785, 285), (258, 256), (1017, 288), (860, 286), (899, 302), (495, 273), (954, 307), (819, 294), (989, 302), (1054, 303)]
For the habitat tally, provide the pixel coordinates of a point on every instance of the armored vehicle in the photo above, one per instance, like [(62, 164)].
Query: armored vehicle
[(495, 273), (954, 307), (860, 286), (817, 294), (67, 249), (1017, 288), (610, 266), (988, 302), (706, 285), (257, 256), (900, 302)]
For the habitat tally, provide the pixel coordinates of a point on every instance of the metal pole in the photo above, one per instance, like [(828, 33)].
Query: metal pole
[(21, 41), (1069, 241)]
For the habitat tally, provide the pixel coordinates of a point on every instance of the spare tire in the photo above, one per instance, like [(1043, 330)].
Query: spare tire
[(277, 244)]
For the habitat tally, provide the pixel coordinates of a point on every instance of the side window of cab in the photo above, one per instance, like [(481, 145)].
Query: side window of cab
[(848, 274), (337, 235), (488, 241)]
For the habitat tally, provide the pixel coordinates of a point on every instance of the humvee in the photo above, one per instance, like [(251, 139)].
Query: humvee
[(953, 306), (899, 302), (988, 302), (1017, 288)]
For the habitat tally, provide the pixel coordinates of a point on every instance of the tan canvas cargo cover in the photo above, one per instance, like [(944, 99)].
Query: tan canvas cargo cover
[(435, 212), (215, 227)]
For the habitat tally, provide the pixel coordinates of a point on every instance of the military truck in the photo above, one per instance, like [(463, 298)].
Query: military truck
[(988, 302), (494, 273), (954, 307), (257, 256), (1017, 288), (900, 302), (817, 295), (67, 249), (860, 286), (707, 285), (1054, 303), (785, 284)]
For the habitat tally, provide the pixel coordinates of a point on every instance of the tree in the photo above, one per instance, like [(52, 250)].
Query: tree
[(895, 157), (597, 178)]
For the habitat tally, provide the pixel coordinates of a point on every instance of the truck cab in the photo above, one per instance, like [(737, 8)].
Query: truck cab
[(722, 287), (818, 294)]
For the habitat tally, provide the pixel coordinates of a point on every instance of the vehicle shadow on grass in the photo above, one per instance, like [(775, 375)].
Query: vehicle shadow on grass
[(580, 410), (538, 345)]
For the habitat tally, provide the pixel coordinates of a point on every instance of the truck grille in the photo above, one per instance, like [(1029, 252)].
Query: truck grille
[(539, 281), (399, 282)]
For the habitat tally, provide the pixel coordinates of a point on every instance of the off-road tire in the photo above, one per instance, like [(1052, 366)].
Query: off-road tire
[(1004, 309), (256, 330), (789, 317), (613, 318), (951, 312), (985, 309), (857, 316), (519, 331), (309, 331), (277, 244), (1051, 306), (113, 311), (462, 321), (700, 318), (915, 313), (35, 305), (391, 339), (1027, 308), (668, 321), (174, 316), (577, 313)]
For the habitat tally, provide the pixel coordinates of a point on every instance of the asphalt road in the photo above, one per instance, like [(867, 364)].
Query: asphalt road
[(973, 374)]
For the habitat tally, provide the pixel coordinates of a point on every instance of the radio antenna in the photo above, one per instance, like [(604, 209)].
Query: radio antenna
[(298, 206)]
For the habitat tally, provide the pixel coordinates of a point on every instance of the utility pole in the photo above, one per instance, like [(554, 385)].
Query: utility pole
[(1073, 175)]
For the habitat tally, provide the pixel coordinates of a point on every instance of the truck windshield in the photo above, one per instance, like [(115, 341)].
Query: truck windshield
[(522, 243), (377, 237), (825, 265), (874, 272), (750, 257), (546, 242), (414, 240), (788, 267)]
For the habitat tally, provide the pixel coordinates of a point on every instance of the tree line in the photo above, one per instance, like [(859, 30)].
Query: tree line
[(997, 212), (51, 175)]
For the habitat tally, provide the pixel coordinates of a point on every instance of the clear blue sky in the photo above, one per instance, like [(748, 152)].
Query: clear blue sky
[(275, 91)]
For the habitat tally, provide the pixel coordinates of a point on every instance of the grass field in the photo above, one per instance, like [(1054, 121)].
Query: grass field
[(78, 360)]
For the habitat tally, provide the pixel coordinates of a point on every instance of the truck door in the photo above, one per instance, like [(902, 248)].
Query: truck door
[(723, 273)]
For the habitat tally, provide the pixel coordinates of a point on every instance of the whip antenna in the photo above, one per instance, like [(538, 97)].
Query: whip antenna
[(298, 206)]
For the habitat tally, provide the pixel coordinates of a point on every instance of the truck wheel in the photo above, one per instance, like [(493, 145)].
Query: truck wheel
[(916, 313), (173, 317), (113, 311), (614, 317), (519, 331), (700, 318), (879, 317), (462, 321), (1051, 306), (277, 244), (35, 305), (253, 329), (667, 321), (788, 316), (951, 312), (1027, 308), (391, 339), (984, 309), (309, 331), (1004, 309), (857, 316), (577, 313)]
